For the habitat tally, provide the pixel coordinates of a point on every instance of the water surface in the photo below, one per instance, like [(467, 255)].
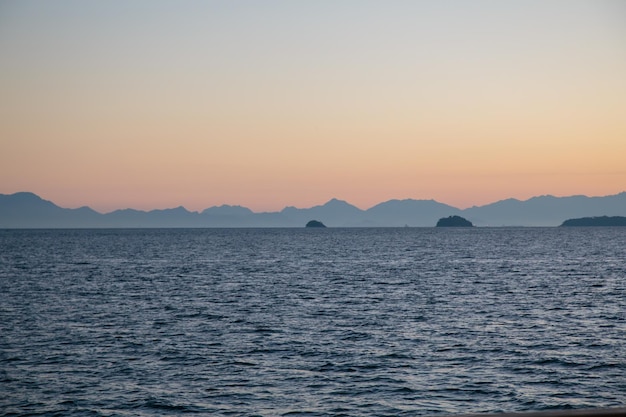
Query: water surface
[(315, 322)]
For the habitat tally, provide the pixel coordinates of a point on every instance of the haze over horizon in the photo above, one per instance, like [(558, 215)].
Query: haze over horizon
[(318, 204), (158, 104)]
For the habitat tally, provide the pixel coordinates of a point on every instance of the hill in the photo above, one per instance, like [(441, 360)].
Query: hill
[(454, 221)]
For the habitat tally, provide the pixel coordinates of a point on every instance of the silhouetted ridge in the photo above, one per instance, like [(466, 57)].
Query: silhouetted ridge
[(595, 221), (410, 212), (27, 210), (226, 210)]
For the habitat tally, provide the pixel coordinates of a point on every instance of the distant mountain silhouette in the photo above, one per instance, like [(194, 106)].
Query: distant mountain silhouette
[(409, 212), (27, 210), (175, 217), (545, 210), (334, 213)]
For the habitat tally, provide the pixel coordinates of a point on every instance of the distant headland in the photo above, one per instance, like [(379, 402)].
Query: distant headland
[(595, 221)]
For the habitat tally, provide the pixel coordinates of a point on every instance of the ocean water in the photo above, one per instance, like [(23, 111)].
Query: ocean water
[(311, 322)]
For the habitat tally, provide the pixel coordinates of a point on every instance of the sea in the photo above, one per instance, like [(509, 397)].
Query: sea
[(311, 322)]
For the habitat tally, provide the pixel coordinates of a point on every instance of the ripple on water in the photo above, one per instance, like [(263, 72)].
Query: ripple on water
[(283, 322)]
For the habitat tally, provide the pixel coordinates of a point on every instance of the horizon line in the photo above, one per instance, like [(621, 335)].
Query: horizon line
[(313, 206)]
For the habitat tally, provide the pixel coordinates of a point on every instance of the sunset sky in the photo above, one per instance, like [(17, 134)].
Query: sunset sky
[(155, 104)]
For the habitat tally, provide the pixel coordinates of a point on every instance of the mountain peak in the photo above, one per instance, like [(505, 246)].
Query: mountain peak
[(26, 210), (25, 199), (336, 201), (23, 196), (227, 210)]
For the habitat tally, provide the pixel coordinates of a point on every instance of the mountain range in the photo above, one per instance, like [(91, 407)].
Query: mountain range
[(27, 210)]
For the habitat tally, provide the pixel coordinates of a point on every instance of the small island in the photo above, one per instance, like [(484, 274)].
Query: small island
[(315, 223), (454, 221), (595, 221)]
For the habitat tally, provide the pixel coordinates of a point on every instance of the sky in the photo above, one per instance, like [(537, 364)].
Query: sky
[(267, 104)]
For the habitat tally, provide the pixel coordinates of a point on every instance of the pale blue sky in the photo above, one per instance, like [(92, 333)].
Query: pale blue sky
[(273, 103)]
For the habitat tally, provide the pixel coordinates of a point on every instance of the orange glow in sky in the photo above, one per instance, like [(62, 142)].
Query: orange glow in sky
[(269, 104)]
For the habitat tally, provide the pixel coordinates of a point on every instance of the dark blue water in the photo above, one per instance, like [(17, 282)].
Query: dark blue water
[(315, 322)]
